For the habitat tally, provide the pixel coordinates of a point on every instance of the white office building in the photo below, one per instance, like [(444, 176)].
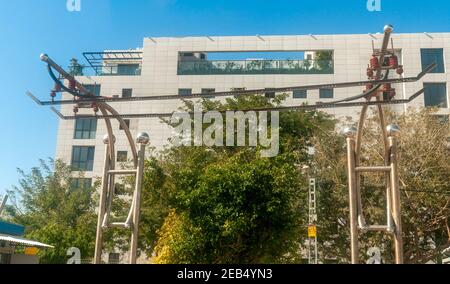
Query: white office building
[(171, 66)]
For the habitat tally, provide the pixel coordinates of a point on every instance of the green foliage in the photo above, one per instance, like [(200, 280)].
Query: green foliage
[(54, 212), (228, 205), (243, 211)]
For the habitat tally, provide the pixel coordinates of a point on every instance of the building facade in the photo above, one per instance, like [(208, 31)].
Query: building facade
[(170, 66)]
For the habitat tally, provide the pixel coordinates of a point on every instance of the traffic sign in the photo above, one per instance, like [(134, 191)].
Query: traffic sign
[(312, 231)]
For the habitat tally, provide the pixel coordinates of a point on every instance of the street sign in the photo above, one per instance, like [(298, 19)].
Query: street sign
[(31, 251), (312, 231)]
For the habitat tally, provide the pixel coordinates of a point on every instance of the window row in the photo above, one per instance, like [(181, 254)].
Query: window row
[(323, 94), (83, 159), (86, 128), (81, 183), (96, 90), (298, 94), (435, 94)]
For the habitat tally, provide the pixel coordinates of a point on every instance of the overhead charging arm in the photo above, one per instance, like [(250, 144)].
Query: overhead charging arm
[(286, 108), (376, 83)]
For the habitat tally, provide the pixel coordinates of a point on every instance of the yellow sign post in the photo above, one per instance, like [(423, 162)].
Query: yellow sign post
[(31, 251), (312, 231)]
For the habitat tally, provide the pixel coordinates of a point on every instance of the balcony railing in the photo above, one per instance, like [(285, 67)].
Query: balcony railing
[(252, 67)]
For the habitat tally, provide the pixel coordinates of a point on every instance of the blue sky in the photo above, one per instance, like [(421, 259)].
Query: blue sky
[(28, 28)]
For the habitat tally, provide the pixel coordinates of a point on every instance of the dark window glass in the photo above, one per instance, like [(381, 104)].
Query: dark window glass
[(83, 158), (184, 92), (127, 93), (85, 128), (127, 122), (270, 94), (128, 69), (5, 258), (207, 91), (444, 119), (81, 183), (435, 95), (433, 55), (122, 156), (300, 94), (237, 90), (326, 93), (94, 89)]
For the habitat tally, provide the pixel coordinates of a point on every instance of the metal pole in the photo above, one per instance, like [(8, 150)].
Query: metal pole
[(3, 203), (102, 208), (137, 204), (309, 218), (352, 200), (315, 251), (309, 250), (398, 239)]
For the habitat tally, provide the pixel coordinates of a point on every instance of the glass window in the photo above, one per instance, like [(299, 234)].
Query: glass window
[(81, 183), (300, 94), (444, 119), (433, 55), (122, 156), (85, 128), (208, 91), (83, 158), (435, 95), (127, 93), (270, 94), (5, 258), (261, 62), (128, 69), (326, 93), (127, 122), (237, 90), (184, 92), (94, 89)]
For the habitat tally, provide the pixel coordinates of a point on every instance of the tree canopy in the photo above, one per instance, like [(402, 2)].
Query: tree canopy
[(54, 211), (211, 204)]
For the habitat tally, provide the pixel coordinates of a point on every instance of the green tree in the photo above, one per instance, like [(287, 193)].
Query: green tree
[(227, 204), (55, 212)]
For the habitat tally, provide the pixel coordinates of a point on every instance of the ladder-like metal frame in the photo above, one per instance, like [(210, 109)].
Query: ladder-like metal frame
[(106, 198), (357, 222)]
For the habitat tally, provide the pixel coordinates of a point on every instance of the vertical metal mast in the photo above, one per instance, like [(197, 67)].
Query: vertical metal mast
[(312, 228)]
